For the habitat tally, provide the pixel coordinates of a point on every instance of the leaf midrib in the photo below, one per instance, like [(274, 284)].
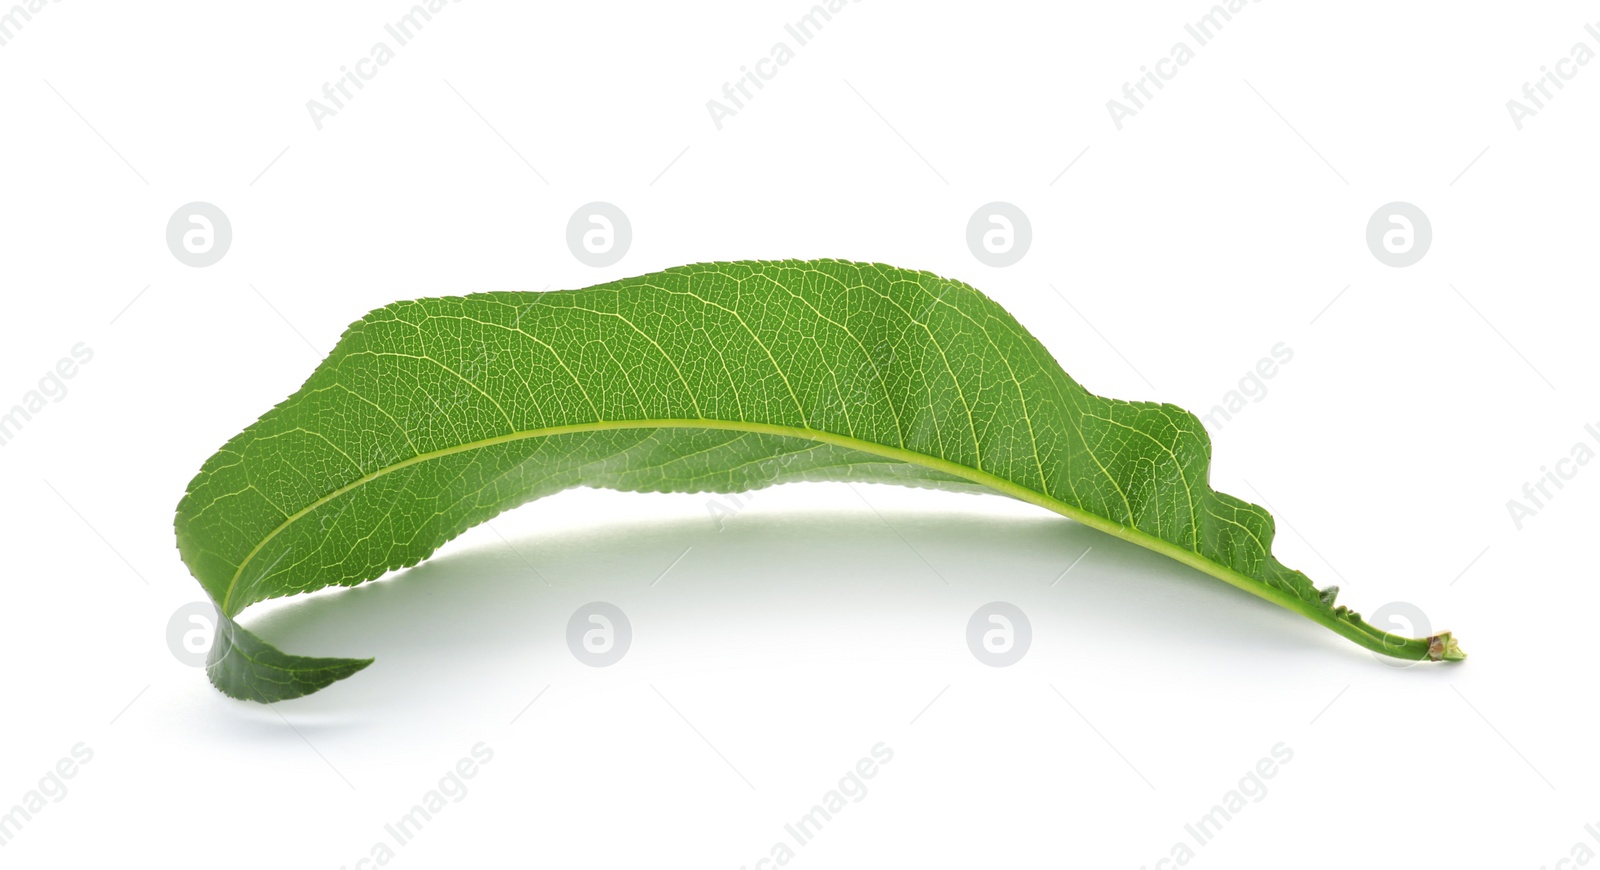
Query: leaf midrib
[(978, 476)]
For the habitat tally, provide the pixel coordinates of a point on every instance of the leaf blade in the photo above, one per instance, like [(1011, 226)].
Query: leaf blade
[(434, 415)]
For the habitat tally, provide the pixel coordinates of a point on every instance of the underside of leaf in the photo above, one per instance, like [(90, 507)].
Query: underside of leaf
[(434, 415), (245, 666)]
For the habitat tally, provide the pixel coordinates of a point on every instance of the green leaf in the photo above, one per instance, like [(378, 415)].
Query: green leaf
[(434, 415), (245, 666)]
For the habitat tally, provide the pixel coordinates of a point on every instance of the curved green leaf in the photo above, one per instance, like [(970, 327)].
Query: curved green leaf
[(433, 415)]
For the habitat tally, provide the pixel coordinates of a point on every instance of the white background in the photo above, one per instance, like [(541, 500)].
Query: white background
[(1224, 218)]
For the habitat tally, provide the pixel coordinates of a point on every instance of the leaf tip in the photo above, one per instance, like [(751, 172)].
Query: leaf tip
[(246, 667)]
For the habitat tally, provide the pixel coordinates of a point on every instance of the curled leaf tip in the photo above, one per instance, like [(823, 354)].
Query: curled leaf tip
[(246, 667)]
